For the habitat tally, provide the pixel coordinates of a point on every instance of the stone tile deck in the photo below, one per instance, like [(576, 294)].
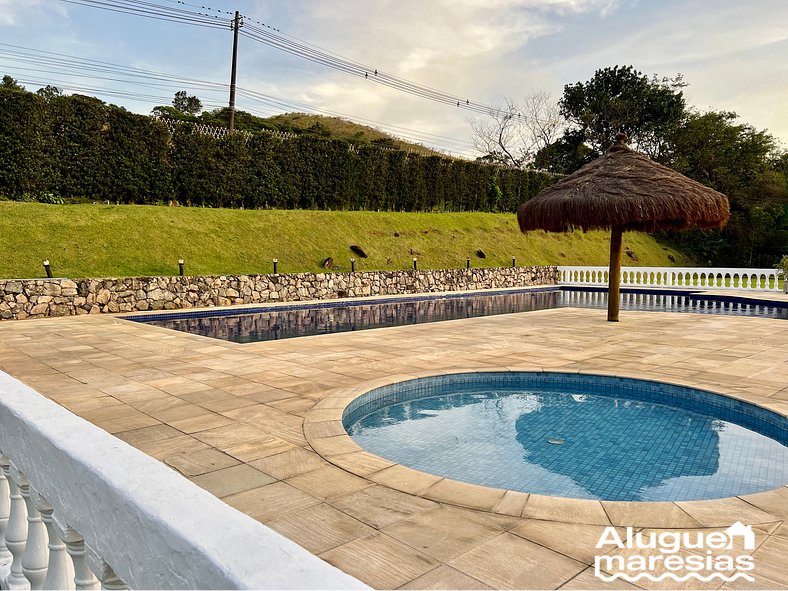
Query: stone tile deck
[(231, 418)]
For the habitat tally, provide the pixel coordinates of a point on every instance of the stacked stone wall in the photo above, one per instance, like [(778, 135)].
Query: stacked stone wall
[(39, 298)]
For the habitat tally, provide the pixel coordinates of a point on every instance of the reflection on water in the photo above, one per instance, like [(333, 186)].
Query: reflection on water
[(347, 316), (615, 448), (284, 324)]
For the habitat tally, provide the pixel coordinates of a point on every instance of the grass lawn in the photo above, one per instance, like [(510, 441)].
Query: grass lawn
[(127, 240)]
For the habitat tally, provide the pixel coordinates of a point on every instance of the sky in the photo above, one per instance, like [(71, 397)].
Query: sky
[(731, 53)]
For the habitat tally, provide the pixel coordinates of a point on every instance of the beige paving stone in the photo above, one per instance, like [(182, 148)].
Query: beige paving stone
[(588, 580), (404, 479), (158, 432), (334, 446), (442, 532), (576, 540), (512, 503), (510, 562), (774, 502), (179, 412), (230, 434), (328, 482), (361, 463), (255, 449), (201, 423), (661, 515), (161, 448), (380, 506), (128, 423), (296, 404), (770, 560), (725, 512), (271, 501), (464, 494), (232, 480), (760, 582), (561, 509), (445, 577), (380, 561), (290, 463), (323, 429), (320, 527), (194, 463)]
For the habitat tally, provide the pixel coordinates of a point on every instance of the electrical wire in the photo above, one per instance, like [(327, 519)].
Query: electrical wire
[(291, 45)]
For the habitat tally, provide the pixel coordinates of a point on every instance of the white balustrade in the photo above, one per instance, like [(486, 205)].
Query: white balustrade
[(81, 509), (675, 277)]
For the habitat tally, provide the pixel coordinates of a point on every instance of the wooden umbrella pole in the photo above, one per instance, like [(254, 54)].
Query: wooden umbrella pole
[(614, 279)]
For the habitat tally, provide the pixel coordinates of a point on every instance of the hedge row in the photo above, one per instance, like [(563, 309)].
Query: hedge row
[(79, 147)]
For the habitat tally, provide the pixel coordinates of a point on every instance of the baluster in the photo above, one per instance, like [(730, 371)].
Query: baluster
[(36, 554), (60, 572), (5, 511), (111, 581), (16, 532), (84, 579)]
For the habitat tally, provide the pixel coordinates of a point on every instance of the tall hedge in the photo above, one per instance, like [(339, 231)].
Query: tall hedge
[(79, 147)]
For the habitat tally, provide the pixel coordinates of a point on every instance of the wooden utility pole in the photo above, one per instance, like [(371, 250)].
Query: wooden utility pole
[(236, 26)]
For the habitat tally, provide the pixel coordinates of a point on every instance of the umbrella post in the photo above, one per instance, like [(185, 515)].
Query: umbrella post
[(614, 279)]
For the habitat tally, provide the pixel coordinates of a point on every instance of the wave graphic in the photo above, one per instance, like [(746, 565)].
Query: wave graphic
[(675, 577)]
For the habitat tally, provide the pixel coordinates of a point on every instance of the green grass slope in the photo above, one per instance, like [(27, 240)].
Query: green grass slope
[(102, 241)]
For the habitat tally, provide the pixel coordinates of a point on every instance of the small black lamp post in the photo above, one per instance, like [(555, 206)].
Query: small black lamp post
[(276, 262), (352, 265), (47, 268), (415, 264), (180, 267), (468, 263)]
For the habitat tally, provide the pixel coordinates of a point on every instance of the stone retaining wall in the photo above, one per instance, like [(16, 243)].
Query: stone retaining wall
[(38, 298)]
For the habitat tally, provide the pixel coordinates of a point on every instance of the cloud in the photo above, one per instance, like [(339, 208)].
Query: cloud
[(14, 13)]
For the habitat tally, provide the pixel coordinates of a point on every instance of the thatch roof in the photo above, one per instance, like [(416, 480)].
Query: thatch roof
[(626, 189)]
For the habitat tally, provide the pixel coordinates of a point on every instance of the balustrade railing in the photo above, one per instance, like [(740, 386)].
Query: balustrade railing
[(675, 277), (81, 509)]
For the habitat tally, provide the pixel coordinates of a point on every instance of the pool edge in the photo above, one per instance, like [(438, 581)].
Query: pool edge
[(325, 432)]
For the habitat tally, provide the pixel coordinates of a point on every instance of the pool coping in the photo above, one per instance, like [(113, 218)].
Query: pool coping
[(325, 432)]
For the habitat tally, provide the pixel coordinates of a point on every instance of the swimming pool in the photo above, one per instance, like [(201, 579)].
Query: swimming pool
[(570, 435), (297, 320)]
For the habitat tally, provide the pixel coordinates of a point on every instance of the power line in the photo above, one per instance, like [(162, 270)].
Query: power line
[(274, 38)]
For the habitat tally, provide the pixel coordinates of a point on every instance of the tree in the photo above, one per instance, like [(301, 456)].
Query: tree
[(745, 164), (10, 84), (188, 105), (513, 134), (623, 99), (49, 92)]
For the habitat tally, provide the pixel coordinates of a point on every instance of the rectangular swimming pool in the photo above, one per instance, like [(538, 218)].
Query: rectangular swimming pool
[(247, 325)]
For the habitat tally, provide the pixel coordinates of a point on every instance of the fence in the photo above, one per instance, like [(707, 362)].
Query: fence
[(675, 277)]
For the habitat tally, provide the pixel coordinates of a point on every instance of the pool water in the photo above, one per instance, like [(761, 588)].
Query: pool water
[(297, 320), (575, 436)]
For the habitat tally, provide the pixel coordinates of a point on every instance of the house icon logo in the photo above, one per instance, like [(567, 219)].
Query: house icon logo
[(738, 529)]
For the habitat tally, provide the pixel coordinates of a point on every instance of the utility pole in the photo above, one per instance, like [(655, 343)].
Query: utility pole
[(236, 25)]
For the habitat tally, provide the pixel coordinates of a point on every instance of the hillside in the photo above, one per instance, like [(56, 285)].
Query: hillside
[(125, 240), (336, 127), (303, 123)]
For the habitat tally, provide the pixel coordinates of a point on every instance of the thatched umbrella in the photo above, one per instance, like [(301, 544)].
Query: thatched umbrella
[(623, 190)]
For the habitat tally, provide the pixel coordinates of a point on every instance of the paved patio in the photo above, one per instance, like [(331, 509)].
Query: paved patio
[(231, 418)]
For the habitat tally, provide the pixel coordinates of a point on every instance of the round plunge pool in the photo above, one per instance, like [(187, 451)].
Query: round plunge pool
[(572, 435)]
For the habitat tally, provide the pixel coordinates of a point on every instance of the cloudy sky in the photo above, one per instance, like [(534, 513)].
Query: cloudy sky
[(732, 54)]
